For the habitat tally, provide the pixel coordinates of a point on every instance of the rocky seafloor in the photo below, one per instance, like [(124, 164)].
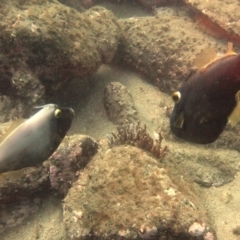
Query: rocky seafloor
[(116, 181)]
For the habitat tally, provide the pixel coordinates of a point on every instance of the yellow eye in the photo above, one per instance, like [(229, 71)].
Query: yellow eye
[(176, 97), (57, 113)]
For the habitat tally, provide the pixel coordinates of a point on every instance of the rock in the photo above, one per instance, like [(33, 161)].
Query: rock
[(20, 93), (72, 155), (161, 47), (15, 213), (23, 184), (58, 173), (218, 21), (119, 104), (46, 44), (125, 193), (197, 229)]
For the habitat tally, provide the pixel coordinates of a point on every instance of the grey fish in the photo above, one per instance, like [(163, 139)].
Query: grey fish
[(34, 140)]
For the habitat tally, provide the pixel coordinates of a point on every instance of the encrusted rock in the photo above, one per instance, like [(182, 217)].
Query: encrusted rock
[(72, 155), (125, 193), (218, 21), (161, 47), (15, 213), (58, 173), (119, 104), (45, 44), (23, 184)]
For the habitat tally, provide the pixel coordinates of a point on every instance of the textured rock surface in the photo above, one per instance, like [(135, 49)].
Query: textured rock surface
[(58, 173), (14, 214), (205, 166), (43, 220), (23, 184), (79, 5), (73, 154), (119, 104), (161, 47), (45, 44), (210, 166), (218, 20), (125, 194)]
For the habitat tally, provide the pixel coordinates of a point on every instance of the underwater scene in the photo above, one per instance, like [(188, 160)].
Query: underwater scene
[(119, 119)]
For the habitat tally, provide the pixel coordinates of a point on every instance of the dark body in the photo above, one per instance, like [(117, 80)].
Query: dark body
[(34, 141), (207, 100)]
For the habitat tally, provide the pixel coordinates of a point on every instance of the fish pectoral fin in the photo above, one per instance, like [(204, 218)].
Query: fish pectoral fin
[(234, 117), (178, 123), (12, 127)]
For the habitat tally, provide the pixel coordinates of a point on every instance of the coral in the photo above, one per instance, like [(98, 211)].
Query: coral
[(136, 135)]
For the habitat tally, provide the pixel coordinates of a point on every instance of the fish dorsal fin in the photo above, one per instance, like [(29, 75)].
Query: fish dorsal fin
[(209, 56), (234, 117), (230, 50), (205, 57), (12, 127)]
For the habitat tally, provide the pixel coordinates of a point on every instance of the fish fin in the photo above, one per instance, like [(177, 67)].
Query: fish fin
[(43, 106), (209, 56), (205, 57), (234, 117), (179, 121), (12, 127), (39, 107)]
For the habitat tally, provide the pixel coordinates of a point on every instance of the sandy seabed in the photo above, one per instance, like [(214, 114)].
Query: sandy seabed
[(222, 203)]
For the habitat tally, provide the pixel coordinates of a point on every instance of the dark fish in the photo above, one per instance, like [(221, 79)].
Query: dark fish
[(208, 101), (34, 140)]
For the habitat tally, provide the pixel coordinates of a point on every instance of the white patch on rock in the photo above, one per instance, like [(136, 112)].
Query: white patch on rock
[(197, 229)]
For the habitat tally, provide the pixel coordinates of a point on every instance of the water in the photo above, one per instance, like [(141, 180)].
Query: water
[(59, 55)]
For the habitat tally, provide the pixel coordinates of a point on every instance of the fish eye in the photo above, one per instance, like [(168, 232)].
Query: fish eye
[(57, 113), (176, 97)]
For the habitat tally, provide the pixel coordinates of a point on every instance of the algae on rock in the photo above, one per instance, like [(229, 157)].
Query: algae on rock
[(126, 194), (53, 44)]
